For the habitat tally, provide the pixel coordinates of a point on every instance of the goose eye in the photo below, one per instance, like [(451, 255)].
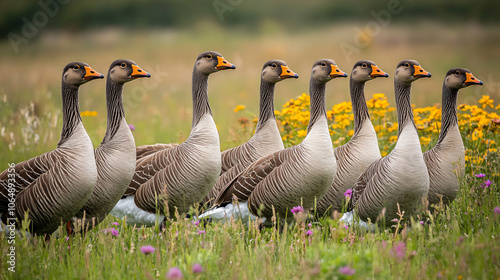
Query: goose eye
[(364, 65), (123, 65), (407, 65), (323, 64), (274, 65), (209, 56), (76, 67), (457, 73)]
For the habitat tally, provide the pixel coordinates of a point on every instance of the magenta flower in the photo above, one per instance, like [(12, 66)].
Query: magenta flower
[(487, 183), (297, 209), (201, 232), (497, 210), (146, 250), (309, 225), (115, 223), (197, 268), (174, 273), (67, 237), (399, 251), (346, 270), (346, 226), (197, 222), (309, 232), (112, 230), (422, 222), (480, 175), (348, 193), (131, 126), (394, 220)]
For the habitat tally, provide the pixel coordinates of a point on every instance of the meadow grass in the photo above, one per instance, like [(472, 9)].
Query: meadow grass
[(457, 242)]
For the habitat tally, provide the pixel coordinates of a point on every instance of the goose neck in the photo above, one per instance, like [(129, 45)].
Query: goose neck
[(403, 105), (318, 102), (266, 104), (358, 101), (200, 97), (71, 111), (449, 111), (114, 106)]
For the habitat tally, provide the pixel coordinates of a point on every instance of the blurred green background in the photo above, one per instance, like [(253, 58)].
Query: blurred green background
[(164, 37)]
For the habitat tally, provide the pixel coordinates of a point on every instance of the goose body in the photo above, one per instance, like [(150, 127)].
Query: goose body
[(362, 150), (297, 175), (54, 186), (267, 138), (115, 156), (446, 161), (170, 178), (400, 178)]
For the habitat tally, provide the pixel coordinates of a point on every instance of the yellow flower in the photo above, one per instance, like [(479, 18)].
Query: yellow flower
[(393, 139), (239, 108), (477, 134), (486, 101), (425, 140), (88, 113), (384, 153), (302, 133)]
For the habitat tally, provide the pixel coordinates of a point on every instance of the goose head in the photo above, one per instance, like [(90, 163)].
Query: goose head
[(125, 70), (78, 73), (458, 78), (366, 70), (276, 70), (324, 70), (211, 62), (409, 71)]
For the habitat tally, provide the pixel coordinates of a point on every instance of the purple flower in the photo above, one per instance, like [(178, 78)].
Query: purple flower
[(197, 222), (346, 226), (480, 175), (115, 223), (394, 220), (422, 222), (346, 270), (309, 232), (487, 183), (146, 250), (309, 225), (174, 273), (201, 232), (67, 237), (197, 268), (348, 193), (112, 230), (297, 209), (497, 210), (399, 250), (131, 126)]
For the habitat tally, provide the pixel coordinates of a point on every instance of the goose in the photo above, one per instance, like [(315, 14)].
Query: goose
[(52, 187), (115, 156), (362, 150), (267, 138), (445, 161), (174, 177), (400, 178), (297, 175)]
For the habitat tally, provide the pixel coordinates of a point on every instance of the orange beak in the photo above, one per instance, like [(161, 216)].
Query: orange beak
[(377, 72), (336, 72), (137, 72), (224, 64), (91, 74), (420, 72), (287, 73), (471, 80)]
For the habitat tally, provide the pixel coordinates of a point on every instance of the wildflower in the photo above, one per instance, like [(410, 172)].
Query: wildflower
[(422, 222), (480, 175), (197, 268), (394, 220), (309, 232), (174, 273), (302, 133), (297, 209), (146, 250), (67, 237), (348, 193), (486, 101), (131, 126), (346, 270), (487, 184), (88, 113), (239, 108), (115, 223), (346, 226), (497, 210), (201, 231), (309, 225), (399, 251), (112, 230)]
